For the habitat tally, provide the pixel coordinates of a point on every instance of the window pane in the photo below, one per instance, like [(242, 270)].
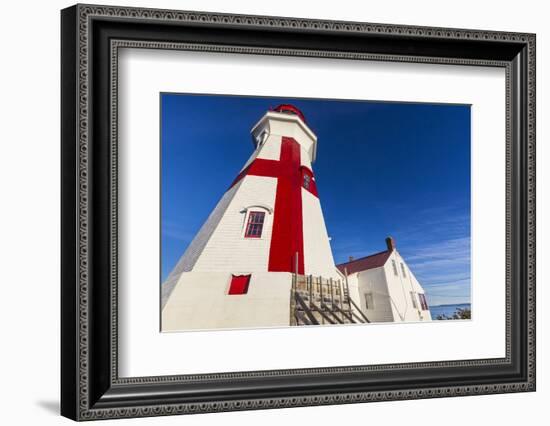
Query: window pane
[(306, 181), (369, 301), (413, 298), (423, 301), (403, 270), (393, 264), (255, 225)]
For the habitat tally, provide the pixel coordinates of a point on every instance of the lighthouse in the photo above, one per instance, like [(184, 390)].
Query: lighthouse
[(248, 265)]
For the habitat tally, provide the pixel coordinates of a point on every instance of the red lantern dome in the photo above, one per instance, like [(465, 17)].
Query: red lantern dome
[(290, 109)]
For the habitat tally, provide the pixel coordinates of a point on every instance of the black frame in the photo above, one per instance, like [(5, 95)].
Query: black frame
[(90, 386)]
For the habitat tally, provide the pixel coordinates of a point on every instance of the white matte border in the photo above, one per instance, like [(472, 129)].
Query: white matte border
[(144, 351)]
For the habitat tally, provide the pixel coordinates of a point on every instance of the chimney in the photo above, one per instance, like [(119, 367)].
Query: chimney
[(390, 243), (350, 259)]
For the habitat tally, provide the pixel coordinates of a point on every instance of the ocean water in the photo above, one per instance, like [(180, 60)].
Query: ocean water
[(447, 310)]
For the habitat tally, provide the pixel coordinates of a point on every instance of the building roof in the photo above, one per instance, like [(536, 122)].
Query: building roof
[(362, 264)]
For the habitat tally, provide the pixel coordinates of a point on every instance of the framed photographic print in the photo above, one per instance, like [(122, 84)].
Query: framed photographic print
[(263, 212)]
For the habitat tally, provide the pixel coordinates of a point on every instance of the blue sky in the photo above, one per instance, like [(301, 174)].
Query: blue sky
[(382, 168)]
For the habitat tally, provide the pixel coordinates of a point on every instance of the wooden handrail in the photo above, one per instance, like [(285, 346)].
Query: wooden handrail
[(345, 313), (339, 320), (341, 309), (325, 316), (306, 310), (359, 310)]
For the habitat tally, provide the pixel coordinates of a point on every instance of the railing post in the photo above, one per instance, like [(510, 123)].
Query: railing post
[(331, 292), (310, 289), (293, 320), (347, 290), (321, 304), (340, 291)]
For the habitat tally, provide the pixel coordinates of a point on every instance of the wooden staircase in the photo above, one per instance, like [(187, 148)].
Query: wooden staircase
[(318, 301)]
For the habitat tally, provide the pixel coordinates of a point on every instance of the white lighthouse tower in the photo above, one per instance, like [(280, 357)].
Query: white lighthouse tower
[(268, 228)]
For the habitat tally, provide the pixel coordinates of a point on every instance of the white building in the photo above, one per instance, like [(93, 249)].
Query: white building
[(384, 287), (263, 256)]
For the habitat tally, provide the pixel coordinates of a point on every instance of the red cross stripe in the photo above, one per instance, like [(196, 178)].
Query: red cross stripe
[(287, 237)]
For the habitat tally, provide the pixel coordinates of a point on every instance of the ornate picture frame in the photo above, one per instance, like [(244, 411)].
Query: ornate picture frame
[(91, 37)]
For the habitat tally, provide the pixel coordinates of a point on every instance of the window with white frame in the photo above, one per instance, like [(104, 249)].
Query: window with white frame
[(423, 301), (254, 225), (403, 270), (394, 266), (369, 301), (307, 180), (261, 138), (413, 298)]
